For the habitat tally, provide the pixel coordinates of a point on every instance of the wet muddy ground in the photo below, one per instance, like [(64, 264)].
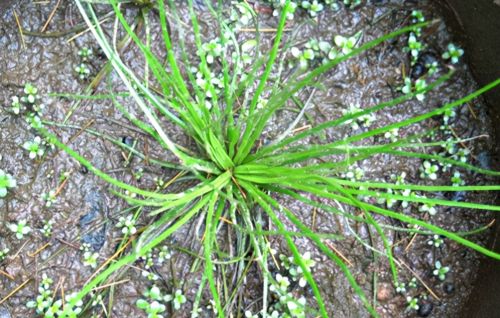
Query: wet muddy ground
[(85, 212)]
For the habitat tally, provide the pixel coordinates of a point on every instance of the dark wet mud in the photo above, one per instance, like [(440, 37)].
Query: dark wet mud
[(86, 212)]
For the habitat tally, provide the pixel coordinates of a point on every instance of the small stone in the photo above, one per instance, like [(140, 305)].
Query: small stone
[(418, 70), (449, 288), (459, 196), (384, 292), (427, 58), (127, 140), (425, 309), (4, 313), (84, 170), (92, 227), (361, 279)]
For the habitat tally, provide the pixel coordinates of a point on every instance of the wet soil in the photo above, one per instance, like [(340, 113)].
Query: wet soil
[(85, 212)]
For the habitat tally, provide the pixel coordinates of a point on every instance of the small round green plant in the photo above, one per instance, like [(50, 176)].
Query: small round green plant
[(15, 107), (7, 181), (127, 224), (435, 241), (429, 170), (3, 253), (35, 148), (85, 54), (440, 271), (50, 198), (47, 228), (82, 71), (412, 303), (347, 44), (177, 299), (31, 94), (453, 53), (20, 228), (90, 257)]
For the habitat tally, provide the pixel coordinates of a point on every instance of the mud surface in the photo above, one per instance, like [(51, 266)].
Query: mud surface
[(85, 212)]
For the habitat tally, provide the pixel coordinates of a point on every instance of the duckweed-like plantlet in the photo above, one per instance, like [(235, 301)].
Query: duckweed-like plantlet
[(241, 15), (248, 314), (35, 147), (361, 121), (413, 283), (313, 7), (281, 285), (7, 181), (418, 16), (392, 134), (400, 288), (31, 94), (435, 241), (427, 207), (50, 198), (419, 86), (412, 303), (303, 56), (414, 45), (47, 228), (3, 253), (127, 224), (153, 304), (82, 71), (429, 170), (212, 50), (440, 271), (456, 179), (89, 257), (178, 299), (352, 3), (347, 44), (15, 106), (163, 255), (85, 54), (20, 228), (453, 53)]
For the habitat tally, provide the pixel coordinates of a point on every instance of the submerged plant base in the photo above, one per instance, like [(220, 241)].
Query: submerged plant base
[(273, 184)]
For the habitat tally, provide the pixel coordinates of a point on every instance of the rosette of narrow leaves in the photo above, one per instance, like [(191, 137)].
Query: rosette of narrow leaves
[(237, 178)]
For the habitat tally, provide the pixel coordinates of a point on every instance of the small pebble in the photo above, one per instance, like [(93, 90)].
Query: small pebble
[(84, 170), (484, 160), (427, 59), (127, 140), (4, 313), (418, 70), (458, 196), (425, 309), (384, 292), (449, 288)]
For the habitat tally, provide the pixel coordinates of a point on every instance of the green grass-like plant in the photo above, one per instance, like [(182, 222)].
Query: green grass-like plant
[(239, 180)]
